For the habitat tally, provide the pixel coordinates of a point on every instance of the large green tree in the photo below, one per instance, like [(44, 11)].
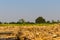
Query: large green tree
[(40, 20)]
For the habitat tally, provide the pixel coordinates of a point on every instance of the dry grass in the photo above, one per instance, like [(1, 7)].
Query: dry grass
[(33, 32)]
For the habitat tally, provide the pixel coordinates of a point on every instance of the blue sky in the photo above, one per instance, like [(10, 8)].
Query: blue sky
[(12, 10)]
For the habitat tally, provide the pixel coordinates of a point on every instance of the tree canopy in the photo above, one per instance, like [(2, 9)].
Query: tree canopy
[(40, 20)]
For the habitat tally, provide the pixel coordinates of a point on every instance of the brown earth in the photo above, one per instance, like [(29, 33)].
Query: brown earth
[(33, 32)]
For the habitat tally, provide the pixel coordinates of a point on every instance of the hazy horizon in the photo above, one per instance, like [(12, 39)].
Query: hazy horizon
[(13, 10)]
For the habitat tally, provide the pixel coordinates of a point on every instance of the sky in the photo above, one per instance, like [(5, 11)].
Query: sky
[(29, 10)]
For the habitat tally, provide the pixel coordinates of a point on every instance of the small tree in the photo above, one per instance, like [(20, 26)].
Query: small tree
[(21, 21), (58, 21), (12, 23), (48, 21), (5, 22), (0, 22), (53, 21), (40, 20)]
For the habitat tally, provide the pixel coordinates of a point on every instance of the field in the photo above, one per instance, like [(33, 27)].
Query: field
[(30, 31)]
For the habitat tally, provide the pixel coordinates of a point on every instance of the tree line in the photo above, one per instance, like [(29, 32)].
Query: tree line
[(38, 20)]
